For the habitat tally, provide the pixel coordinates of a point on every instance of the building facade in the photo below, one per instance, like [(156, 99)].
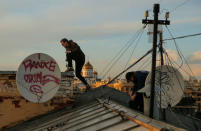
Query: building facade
[(90, 76)]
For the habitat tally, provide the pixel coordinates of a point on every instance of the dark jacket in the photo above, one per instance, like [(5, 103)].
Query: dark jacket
[(139, 81), (76, 52)]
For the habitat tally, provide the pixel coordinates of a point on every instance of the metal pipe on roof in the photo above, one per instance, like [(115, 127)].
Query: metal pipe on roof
[(150, 127)]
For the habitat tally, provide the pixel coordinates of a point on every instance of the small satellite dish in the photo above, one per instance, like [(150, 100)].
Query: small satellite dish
[(169, 86), (38, 78)]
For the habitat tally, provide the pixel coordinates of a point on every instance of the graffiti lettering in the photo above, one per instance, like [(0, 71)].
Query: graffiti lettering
[(36, 89), (40, 78), (29, 64)]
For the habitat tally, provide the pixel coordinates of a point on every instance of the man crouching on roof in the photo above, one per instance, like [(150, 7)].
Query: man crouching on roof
[(74, 52), (136, 98)]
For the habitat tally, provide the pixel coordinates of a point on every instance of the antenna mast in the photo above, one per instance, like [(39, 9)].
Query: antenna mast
[(155, 22)]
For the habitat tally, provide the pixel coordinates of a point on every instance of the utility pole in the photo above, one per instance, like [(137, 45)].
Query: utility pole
[(155, 22), (161, 47), (162, 111)]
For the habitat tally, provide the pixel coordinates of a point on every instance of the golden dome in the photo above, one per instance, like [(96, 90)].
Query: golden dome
[(87, 66)]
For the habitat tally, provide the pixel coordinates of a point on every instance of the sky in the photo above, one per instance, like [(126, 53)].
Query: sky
[(101, 28)]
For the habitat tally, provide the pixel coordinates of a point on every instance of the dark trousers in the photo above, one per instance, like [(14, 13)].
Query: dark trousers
[(138, 103), (79, 62), (69, 59)]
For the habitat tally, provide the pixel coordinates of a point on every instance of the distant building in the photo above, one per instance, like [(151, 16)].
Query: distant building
[(72, 87), (89, 74), (8, 83), (87, 70)]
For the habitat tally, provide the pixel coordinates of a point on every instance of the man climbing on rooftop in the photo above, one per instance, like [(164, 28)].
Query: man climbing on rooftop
[(136, 98), (74, 52)]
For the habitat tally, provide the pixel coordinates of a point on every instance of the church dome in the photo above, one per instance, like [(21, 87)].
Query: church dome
[(87, 66)]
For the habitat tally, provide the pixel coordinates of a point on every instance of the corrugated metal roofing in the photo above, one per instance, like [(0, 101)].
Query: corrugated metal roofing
[(98, 115)]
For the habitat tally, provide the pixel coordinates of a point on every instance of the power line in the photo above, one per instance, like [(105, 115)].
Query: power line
[(181, 37), (145, 64), (133, 50), (176, 7), (148, 52), (171, 64), (179, 5), (121, 52), (180, 53), (104, 72), (175, 63), (177, 48)]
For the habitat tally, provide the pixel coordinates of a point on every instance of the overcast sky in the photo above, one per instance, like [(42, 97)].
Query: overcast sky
[(100, 27)]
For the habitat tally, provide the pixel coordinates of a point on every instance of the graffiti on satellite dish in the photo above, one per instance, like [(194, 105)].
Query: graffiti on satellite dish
[(169, 86), (38, 77)]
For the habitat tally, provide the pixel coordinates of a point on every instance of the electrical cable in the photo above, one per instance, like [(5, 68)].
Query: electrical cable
[(179, 5), (133, 50), (148, 52), (141, 58), (181, 37), (145, 64), (178, 65), (177, 48), (121, 54), (112, 60), (179, 81), (171, 64), (179, 52)]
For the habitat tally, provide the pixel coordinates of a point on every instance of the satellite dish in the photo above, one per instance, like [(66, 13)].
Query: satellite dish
[(38, 78), (169, 85)]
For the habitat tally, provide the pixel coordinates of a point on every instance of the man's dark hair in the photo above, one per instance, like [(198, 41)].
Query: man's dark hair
[(64, 40), (129, 75)]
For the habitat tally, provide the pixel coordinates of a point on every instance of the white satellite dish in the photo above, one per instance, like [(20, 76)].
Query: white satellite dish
[(169, 85), (38, 78)]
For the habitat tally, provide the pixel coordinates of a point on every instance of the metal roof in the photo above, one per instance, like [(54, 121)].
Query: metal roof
[(100, 114), (102, 108)]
